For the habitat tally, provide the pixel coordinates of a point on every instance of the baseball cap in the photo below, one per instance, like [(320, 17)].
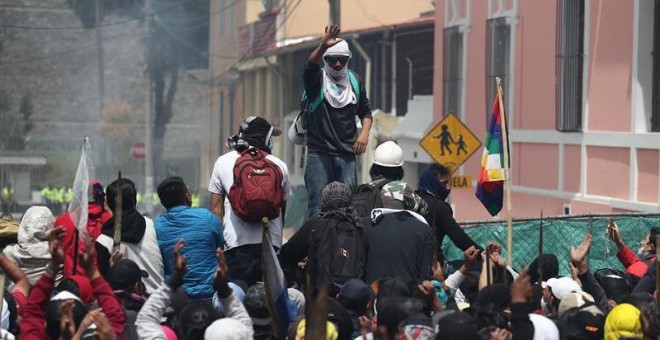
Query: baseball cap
[(563, 286), (356, 291), (255, 124), (572, 300), (124, 274)]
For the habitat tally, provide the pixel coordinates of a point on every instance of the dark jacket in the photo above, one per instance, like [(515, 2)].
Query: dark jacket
[(332, 130), (298, 246), (441, 217), (399, 246)]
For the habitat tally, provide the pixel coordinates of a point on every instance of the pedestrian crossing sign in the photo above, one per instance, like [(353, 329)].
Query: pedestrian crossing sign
[(450, 142)]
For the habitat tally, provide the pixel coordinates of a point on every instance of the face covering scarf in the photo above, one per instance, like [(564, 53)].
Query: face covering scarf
[(336, 86)]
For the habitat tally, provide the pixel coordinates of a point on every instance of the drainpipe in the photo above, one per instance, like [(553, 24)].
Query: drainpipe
[(410, 78), (367, 62), (393, 74), (275, 68)]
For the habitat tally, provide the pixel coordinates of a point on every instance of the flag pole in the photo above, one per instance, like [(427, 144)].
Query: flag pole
[(118, 212), (507, 178)]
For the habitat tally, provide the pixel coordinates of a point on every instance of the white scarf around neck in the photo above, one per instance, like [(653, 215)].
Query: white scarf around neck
[(336, 85)]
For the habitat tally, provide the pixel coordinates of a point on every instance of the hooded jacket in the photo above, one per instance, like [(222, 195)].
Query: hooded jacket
[(31, 253), (34, 316), (202, 232), (97, 216), (138, 244)]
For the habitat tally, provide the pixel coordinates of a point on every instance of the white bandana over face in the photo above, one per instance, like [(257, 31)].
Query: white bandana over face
[(336, 85)]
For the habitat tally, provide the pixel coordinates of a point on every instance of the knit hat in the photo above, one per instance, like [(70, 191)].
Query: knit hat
[(623, 321), (400, 195), (335, 195)]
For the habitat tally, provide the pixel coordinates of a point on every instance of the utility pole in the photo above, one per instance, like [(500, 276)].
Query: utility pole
[(99, 52), (335, 12), (148, 119)]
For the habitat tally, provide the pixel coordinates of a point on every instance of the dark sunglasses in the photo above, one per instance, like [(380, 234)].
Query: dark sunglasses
[(332, 60)]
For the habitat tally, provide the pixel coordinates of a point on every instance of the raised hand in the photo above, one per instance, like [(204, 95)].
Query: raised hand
[(521, 288), (470, 256), (500, 334), (330, 38), (86, 258), (180, 266), (437, 272), (220, 282), (116, 256), (55, 246), (578, 253)]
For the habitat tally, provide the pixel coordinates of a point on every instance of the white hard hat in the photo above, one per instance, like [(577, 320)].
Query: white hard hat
[(388, 154)]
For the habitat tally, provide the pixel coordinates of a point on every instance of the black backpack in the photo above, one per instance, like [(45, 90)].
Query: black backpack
[(368, 197), (341, 253)]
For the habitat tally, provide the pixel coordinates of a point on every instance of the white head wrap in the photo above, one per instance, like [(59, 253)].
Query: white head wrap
[(336, 85)]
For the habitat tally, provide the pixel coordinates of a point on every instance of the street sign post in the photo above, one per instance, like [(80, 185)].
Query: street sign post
[(450, 142)]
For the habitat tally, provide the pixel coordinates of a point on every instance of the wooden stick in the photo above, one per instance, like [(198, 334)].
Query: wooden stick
[(119, 198), (591, 219), (541, 249), (657, 267), (488, 265), (507, 178)]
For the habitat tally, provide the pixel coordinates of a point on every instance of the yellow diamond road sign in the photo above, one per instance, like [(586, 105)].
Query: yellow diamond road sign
[(450, 143)]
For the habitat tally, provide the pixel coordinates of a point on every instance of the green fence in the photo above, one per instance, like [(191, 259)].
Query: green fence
[(559, 233)]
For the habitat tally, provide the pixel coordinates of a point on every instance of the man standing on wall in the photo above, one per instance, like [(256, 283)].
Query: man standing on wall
[(335, 96)]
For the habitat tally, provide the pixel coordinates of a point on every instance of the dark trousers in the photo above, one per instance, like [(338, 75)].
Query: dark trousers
[(244, 263)]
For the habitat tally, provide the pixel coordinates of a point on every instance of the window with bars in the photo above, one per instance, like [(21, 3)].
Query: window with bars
[(452, 70), (570, 57), (655, 113), (498, 41)]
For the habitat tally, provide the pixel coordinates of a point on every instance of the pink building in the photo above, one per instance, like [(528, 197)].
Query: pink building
[(582, 89)]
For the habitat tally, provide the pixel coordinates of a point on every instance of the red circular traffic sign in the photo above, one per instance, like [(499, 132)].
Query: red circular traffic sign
[(138, 150)]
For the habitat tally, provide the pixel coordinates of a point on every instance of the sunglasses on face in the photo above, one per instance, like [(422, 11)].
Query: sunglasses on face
[(332, 60)]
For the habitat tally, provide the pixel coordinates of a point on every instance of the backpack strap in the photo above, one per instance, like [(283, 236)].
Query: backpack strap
[(352, 78), (355, 85)]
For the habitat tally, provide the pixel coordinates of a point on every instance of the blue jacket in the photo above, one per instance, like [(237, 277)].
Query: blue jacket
[(202, 232)]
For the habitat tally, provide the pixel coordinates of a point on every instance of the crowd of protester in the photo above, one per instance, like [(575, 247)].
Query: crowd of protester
[(367, 272)]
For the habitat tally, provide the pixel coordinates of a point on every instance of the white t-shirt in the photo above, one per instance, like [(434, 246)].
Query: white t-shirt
[(236, 231)]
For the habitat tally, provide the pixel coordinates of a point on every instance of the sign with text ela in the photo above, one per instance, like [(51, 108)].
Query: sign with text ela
[(461, 182), (450, 142)]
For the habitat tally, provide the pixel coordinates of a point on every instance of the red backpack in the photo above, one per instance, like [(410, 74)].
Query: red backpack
[(257, 189)]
